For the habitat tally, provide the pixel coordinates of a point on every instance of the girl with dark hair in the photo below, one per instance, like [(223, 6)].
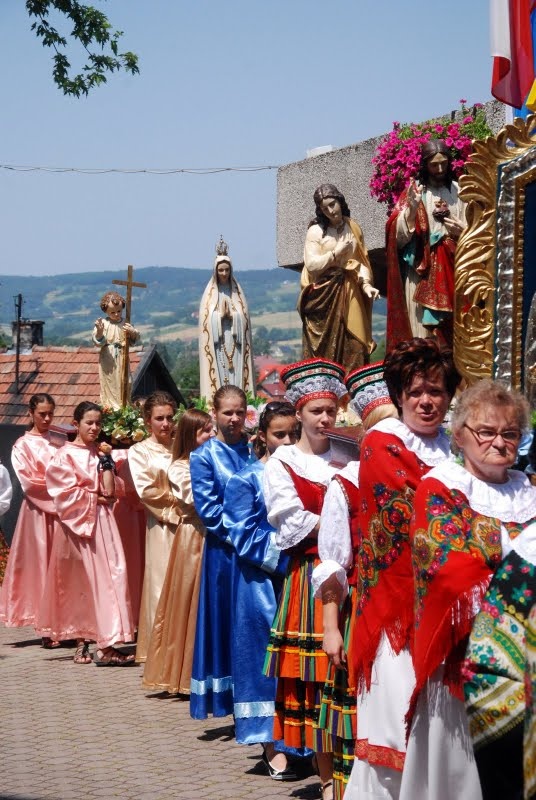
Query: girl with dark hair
[(261, 567), (395, 455), (86, 591), (24, 581), (336, 297), (149, 462), (171, 647), (211, 466), (422, 233)]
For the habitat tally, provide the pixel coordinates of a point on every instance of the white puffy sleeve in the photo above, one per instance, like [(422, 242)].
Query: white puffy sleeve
[(285, 509), (334, 540)]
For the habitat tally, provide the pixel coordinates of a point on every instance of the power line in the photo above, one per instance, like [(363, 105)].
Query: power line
[(137, 171)]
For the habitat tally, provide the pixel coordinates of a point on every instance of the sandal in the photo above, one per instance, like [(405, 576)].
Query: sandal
[(325, 786), (82, 654), (49, 644), (110, 657)]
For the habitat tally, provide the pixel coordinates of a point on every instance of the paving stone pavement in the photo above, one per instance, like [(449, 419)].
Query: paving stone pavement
[(78, 732)]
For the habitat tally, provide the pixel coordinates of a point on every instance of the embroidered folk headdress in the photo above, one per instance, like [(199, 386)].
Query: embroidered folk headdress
[(367, 389), (313, 379)]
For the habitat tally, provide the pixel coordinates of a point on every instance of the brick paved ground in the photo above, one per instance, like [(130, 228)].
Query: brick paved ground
[(73, 732)]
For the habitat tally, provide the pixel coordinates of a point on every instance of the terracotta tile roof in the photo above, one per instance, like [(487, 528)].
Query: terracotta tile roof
[(267, 369), (69, 374), (271, 390)]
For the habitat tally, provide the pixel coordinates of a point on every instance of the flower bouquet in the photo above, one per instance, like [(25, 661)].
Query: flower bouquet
[(123, 426)]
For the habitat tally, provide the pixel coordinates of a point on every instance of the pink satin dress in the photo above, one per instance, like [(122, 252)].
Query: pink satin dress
[(86, 592), (24, 581)]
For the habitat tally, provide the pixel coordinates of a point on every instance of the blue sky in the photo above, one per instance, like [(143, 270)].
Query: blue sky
[(230, 83)]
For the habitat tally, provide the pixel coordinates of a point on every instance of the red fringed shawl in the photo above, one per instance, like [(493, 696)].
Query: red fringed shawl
[(455, 551), (389, 475)]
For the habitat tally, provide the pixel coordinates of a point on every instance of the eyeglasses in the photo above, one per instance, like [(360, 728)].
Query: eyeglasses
[(488, 435), (275, 406)]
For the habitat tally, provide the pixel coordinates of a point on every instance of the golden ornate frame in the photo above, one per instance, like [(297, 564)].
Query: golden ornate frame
[(489, 271)]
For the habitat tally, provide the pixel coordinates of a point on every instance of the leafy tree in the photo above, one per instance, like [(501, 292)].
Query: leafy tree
[(92, 29), (261, 343)]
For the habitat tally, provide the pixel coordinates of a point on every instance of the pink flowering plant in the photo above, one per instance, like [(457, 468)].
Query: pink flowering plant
[(398, 155)]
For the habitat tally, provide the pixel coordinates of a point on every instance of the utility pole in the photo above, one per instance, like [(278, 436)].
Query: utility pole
[(18, 309)]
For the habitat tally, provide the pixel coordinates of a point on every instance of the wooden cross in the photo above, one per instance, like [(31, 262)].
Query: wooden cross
[(129, 283)]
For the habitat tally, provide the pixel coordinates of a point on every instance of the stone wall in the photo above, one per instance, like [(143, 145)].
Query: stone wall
[(350, 169)]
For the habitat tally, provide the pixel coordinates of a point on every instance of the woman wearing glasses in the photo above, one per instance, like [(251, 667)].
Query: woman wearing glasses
[(461, 510)]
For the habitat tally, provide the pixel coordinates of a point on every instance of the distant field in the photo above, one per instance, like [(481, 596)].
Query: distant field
[(166, 311)]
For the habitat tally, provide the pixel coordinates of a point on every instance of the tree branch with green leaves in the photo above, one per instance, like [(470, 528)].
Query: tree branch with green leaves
[(92, 29)]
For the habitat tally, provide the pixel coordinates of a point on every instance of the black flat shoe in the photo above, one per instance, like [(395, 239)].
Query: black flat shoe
[(287, 774)]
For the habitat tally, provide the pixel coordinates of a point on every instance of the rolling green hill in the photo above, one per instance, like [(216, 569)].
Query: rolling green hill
[(165, 312)]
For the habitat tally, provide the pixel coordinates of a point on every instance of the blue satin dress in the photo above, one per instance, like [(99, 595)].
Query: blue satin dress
[(211, 688), (260, 570)]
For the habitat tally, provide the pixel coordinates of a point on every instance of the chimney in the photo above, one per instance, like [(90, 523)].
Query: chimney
[(31, 332)]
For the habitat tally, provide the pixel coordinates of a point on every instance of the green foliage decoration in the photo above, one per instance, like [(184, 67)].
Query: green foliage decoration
[(196, 402)]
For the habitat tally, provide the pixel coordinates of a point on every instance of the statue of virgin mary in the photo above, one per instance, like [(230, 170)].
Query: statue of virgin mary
[(225, 355)]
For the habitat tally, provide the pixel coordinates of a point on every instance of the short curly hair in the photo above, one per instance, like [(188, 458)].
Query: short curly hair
[(418, 357), (111, 297), (486, 393)]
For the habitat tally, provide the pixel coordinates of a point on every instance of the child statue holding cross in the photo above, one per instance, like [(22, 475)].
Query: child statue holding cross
[(113, 336)]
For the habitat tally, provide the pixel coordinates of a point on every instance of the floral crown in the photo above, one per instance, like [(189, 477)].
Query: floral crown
[(313, 379), (367, 389)]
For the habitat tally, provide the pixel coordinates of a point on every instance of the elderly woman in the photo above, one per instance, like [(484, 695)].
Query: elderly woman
[(395, 455), (335, 303), (461, 510)]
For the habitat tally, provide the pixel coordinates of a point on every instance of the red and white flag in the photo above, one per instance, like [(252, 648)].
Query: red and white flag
[(511, 48)]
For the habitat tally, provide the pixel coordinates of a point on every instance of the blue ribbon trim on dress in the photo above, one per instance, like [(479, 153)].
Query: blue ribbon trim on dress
[(211, 684)]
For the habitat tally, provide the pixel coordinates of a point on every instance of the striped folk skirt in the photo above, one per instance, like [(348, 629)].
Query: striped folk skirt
[(295, 657), (338, 708)]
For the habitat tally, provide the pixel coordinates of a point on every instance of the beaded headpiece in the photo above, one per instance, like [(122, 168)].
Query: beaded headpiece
[(313, 379), (367, 389)]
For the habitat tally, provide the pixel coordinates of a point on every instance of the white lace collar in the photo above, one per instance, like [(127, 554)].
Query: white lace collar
[(524, 544), (431, 450), (306, 465), (513, 501)]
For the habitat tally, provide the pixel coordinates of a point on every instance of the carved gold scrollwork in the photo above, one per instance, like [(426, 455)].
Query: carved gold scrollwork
[(489, 256)]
